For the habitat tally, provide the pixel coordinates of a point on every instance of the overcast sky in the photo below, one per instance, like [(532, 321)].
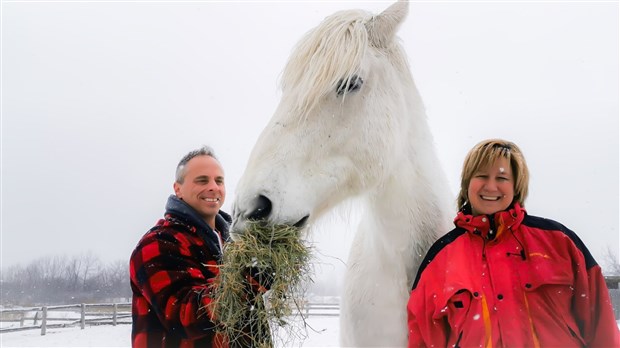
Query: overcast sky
[(101, 99)]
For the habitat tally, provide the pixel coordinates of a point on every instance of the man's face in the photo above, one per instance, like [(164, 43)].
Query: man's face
[(203, 186)]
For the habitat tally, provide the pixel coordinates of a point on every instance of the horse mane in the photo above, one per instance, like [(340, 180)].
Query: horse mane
[(324, 56)]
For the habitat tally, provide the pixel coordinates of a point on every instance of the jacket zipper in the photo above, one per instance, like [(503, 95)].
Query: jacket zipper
[(490, 232), (458, 340)]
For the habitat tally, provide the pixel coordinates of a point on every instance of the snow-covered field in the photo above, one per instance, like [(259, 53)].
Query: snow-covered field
[(320, 332)]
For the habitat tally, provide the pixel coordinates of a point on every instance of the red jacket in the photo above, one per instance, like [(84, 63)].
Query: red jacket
[(526, 282), (171, 270)]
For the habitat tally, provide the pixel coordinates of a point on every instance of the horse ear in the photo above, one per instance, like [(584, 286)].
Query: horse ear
[(383, 27)]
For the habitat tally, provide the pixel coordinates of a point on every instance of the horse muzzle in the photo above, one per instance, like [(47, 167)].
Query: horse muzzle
[(260, 210)]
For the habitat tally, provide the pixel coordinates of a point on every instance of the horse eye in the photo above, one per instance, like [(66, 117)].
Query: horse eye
[(351, 84)]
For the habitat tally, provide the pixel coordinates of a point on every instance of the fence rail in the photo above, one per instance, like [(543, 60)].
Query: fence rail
[(46, 317), (321, 309)]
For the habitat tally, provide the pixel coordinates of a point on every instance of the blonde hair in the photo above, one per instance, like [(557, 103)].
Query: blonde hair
[(483, 155)]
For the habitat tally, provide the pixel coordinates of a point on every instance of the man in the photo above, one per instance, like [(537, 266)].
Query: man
[(175, 263)]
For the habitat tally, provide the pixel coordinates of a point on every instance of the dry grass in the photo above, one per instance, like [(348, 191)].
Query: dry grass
[(275, 256)]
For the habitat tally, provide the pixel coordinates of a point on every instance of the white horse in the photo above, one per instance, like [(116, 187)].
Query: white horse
[(351, 124)]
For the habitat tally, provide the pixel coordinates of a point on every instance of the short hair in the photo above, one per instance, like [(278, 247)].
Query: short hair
[(483, 155), (181, 167)]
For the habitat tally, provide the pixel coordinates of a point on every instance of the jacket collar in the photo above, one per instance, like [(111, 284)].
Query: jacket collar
[(487, 225), (183, 211)]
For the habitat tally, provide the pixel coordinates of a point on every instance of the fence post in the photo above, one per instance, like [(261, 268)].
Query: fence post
[(43, 320), (21, 320), (82, 316), (36, 317), (614, 294), (115, 308)]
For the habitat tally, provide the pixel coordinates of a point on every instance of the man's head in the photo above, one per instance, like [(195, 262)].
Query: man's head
[(199, 182)]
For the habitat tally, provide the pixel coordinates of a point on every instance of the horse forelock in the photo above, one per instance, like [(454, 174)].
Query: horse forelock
[(327, 54)]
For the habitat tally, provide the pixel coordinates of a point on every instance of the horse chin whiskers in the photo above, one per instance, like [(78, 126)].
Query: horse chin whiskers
[(240, 227), (235, 235)]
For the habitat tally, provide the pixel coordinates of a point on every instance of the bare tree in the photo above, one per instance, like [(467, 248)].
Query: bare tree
[(91, 267), (610, 264), (80, 269), (116, 275)]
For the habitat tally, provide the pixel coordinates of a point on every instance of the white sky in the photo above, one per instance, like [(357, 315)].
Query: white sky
[(101, 99)]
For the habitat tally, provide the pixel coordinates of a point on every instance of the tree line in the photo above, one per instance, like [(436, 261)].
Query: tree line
[(86, 279), (64, 280)]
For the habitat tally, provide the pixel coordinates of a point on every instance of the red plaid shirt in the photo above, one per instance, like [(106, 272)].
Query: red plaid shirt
[(171, 271)]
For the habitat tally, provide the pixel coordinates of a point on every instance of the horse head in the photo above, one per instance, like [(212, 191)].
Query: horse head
[(338, 130)]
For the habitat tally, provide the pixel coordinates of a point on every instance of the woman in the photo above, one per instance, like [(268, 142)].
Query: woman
[(503, 278)]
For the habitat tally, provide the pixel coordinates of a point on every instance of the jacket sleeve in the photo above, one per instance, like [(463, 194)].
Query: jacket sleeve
[(175, 284), (415, 336), (424, 330), (596, 314)]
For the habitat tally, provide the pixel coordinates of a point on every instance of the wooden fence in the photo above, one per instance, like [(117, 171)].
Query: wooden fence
[(47, 317), (120, 313), (321, 309)]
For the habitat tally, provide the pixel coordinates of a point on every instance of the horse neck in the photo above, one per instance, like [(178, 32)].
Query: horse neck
[(410, 208)]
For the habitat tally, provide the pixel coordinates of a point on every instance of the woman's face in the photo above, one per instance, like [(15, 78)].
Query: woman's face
[(491, 189)]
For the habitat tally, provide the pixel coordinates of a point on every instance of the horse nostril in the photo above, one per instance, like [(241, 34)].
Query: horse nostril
[(262, 208)]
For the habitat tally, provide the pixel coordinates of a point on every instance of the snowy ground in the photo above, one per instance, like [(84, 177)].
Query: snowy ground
[(321, 332), (325, 334)]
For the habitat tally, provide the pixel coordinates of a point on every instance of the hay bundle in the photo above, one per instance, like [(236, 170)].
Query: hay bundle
[(275, 257)]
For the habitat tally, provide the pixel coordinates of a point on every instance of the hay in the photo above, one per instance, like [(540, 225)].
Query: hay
[(275, 256)]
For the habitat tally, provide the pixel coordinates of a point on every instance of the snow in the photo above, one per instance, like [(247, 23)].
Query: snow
[(321, 332)]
